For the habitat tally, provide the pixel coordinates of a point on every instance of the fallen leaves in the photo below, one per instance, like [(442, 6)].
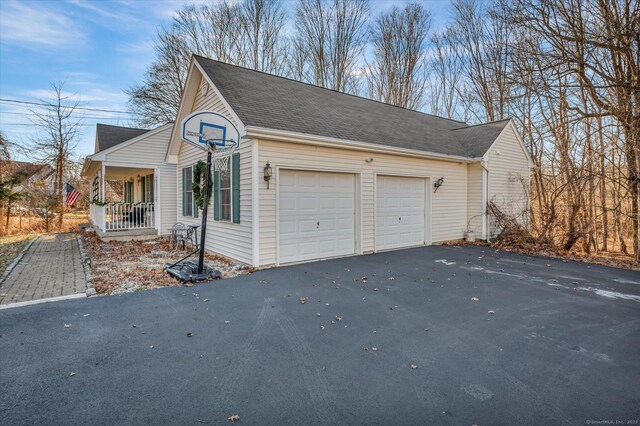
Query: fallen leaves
[(121, 266)]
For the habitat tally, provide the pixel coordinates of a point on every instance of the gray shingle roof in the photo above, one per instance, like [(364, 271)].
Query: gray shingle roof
[(109, 136), (269, 101)]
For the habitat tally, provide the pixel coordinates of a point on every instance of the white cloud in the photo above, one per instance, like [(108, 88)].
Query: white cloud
[(37, 27)]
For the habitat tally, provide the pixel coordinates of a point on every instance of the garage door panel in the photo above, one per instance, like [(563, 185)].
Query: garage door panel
[(400, 212), (321, 222)]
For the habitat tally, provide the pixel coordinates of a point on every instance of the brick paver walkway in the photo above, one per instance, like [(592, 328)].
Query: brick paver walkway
[(51, 267)]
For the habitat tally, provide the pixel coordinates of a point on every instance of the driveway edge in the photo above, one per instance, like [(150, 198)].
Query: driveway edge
[(17, 260), (86, 267)]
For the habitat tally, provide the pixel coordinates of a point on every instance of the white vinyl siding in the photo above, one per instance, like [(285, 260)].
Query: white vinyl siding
[(474, 193), (233, 240), (448, 205), (166, 196), (223, 237), (149, 150), (508, 177)]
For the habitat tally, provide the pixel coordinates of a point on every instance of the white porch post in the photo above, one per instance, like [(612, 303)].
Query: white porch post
[(156, 200), (103, 188), (103, 197)]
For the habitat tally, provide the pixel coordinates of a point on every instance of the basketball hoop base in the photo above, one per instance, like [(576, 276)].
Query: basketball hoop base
[(186, 271)]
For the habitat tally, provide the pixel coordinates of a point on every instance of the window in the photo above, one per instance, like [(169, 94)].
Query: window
[(187, 191), (225, 195), (128, 192), (147, 188), (196, 210), (226, 192)]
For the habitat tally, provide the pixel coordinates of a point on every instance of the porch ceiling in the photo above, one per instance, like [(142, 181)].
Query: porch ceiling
[(112, 172)]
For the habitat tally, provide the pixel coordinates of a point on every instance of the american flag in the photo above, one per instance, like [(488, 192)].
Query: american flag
[(71, 196)]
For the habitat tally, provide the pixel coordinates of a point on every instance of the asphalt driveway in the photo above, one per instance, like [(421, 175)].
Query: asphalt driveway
[(562, 346)]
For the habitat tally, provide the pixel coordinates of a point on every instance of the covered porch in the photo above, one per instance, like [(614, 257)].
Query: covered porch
[(123, 199)]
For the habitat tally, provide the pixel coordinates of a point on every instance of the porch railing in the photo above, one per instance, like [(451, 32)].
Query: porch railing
[(96, 214), (123, 216)]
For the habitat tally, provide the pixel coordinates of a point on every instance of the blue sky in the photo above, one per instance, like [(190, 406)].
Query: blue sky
[(98, 48)]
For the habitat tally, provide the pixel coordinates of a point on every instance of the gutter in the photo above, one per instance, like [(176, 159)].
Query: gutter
[(306, 139)]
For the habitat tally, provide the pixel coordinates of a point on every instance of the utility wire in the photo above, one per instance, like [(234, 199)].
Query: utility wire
[(16, 101), (88, 117)]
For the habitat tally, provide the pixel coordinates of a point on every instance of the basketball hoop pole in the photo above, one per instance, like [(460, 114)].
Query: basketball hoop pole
[(205, 209)]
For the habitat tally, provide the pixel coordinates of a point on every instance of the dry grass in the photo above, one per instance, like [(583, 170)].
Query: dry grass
[(124, 266), (517, 239), (10, 246), (20, 225)]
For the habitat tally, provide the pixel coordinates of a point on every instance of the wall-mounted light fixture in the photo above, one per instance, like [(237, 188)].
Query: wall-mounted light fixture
[(437, 184), (267, 173)]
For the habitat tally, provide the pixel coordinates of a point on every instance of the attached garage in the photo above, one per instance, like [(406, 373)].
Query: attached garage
[(324, 174), (401, 212), (316, 215)]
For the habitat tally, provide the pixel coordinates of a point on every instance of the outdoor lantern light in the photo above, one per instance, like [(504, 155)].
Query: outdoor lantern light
[(438, 184), (267, 173)]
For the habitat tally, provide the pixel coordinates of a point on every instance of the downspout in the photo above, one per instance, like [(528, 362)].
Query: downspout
[(485, 200)]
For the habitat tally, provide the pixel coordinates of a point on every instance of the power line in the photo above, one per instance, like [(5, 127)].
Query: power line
[(88, 117), (16, 101), (35, 125)]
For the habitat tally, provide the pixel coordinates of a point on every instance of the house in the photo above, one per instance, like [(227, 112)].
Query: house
[(348, 175), (28, 173), (134, 158), (33, 181)]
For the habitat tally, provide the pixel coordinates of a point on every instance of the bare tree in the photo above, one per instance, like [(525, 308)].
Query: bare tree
[(249, 33), (398, 73), (599, 43), (333, 33), (483, 40), (445, 79), (263, 46), (58, 130)]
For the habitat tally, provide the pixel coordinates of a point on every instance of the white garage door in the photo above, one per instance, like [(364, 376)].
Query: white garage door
[(400, 212), (316, 215)]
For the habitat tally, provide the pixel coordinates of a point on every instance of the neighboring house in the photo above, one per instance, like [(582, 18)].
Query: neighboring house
[(28, 174), (135, 157), (350, 175)]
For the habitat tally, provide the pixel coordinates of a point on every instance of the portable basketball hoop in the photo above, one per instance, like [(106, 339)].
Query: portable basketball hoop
[(207, 131)]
